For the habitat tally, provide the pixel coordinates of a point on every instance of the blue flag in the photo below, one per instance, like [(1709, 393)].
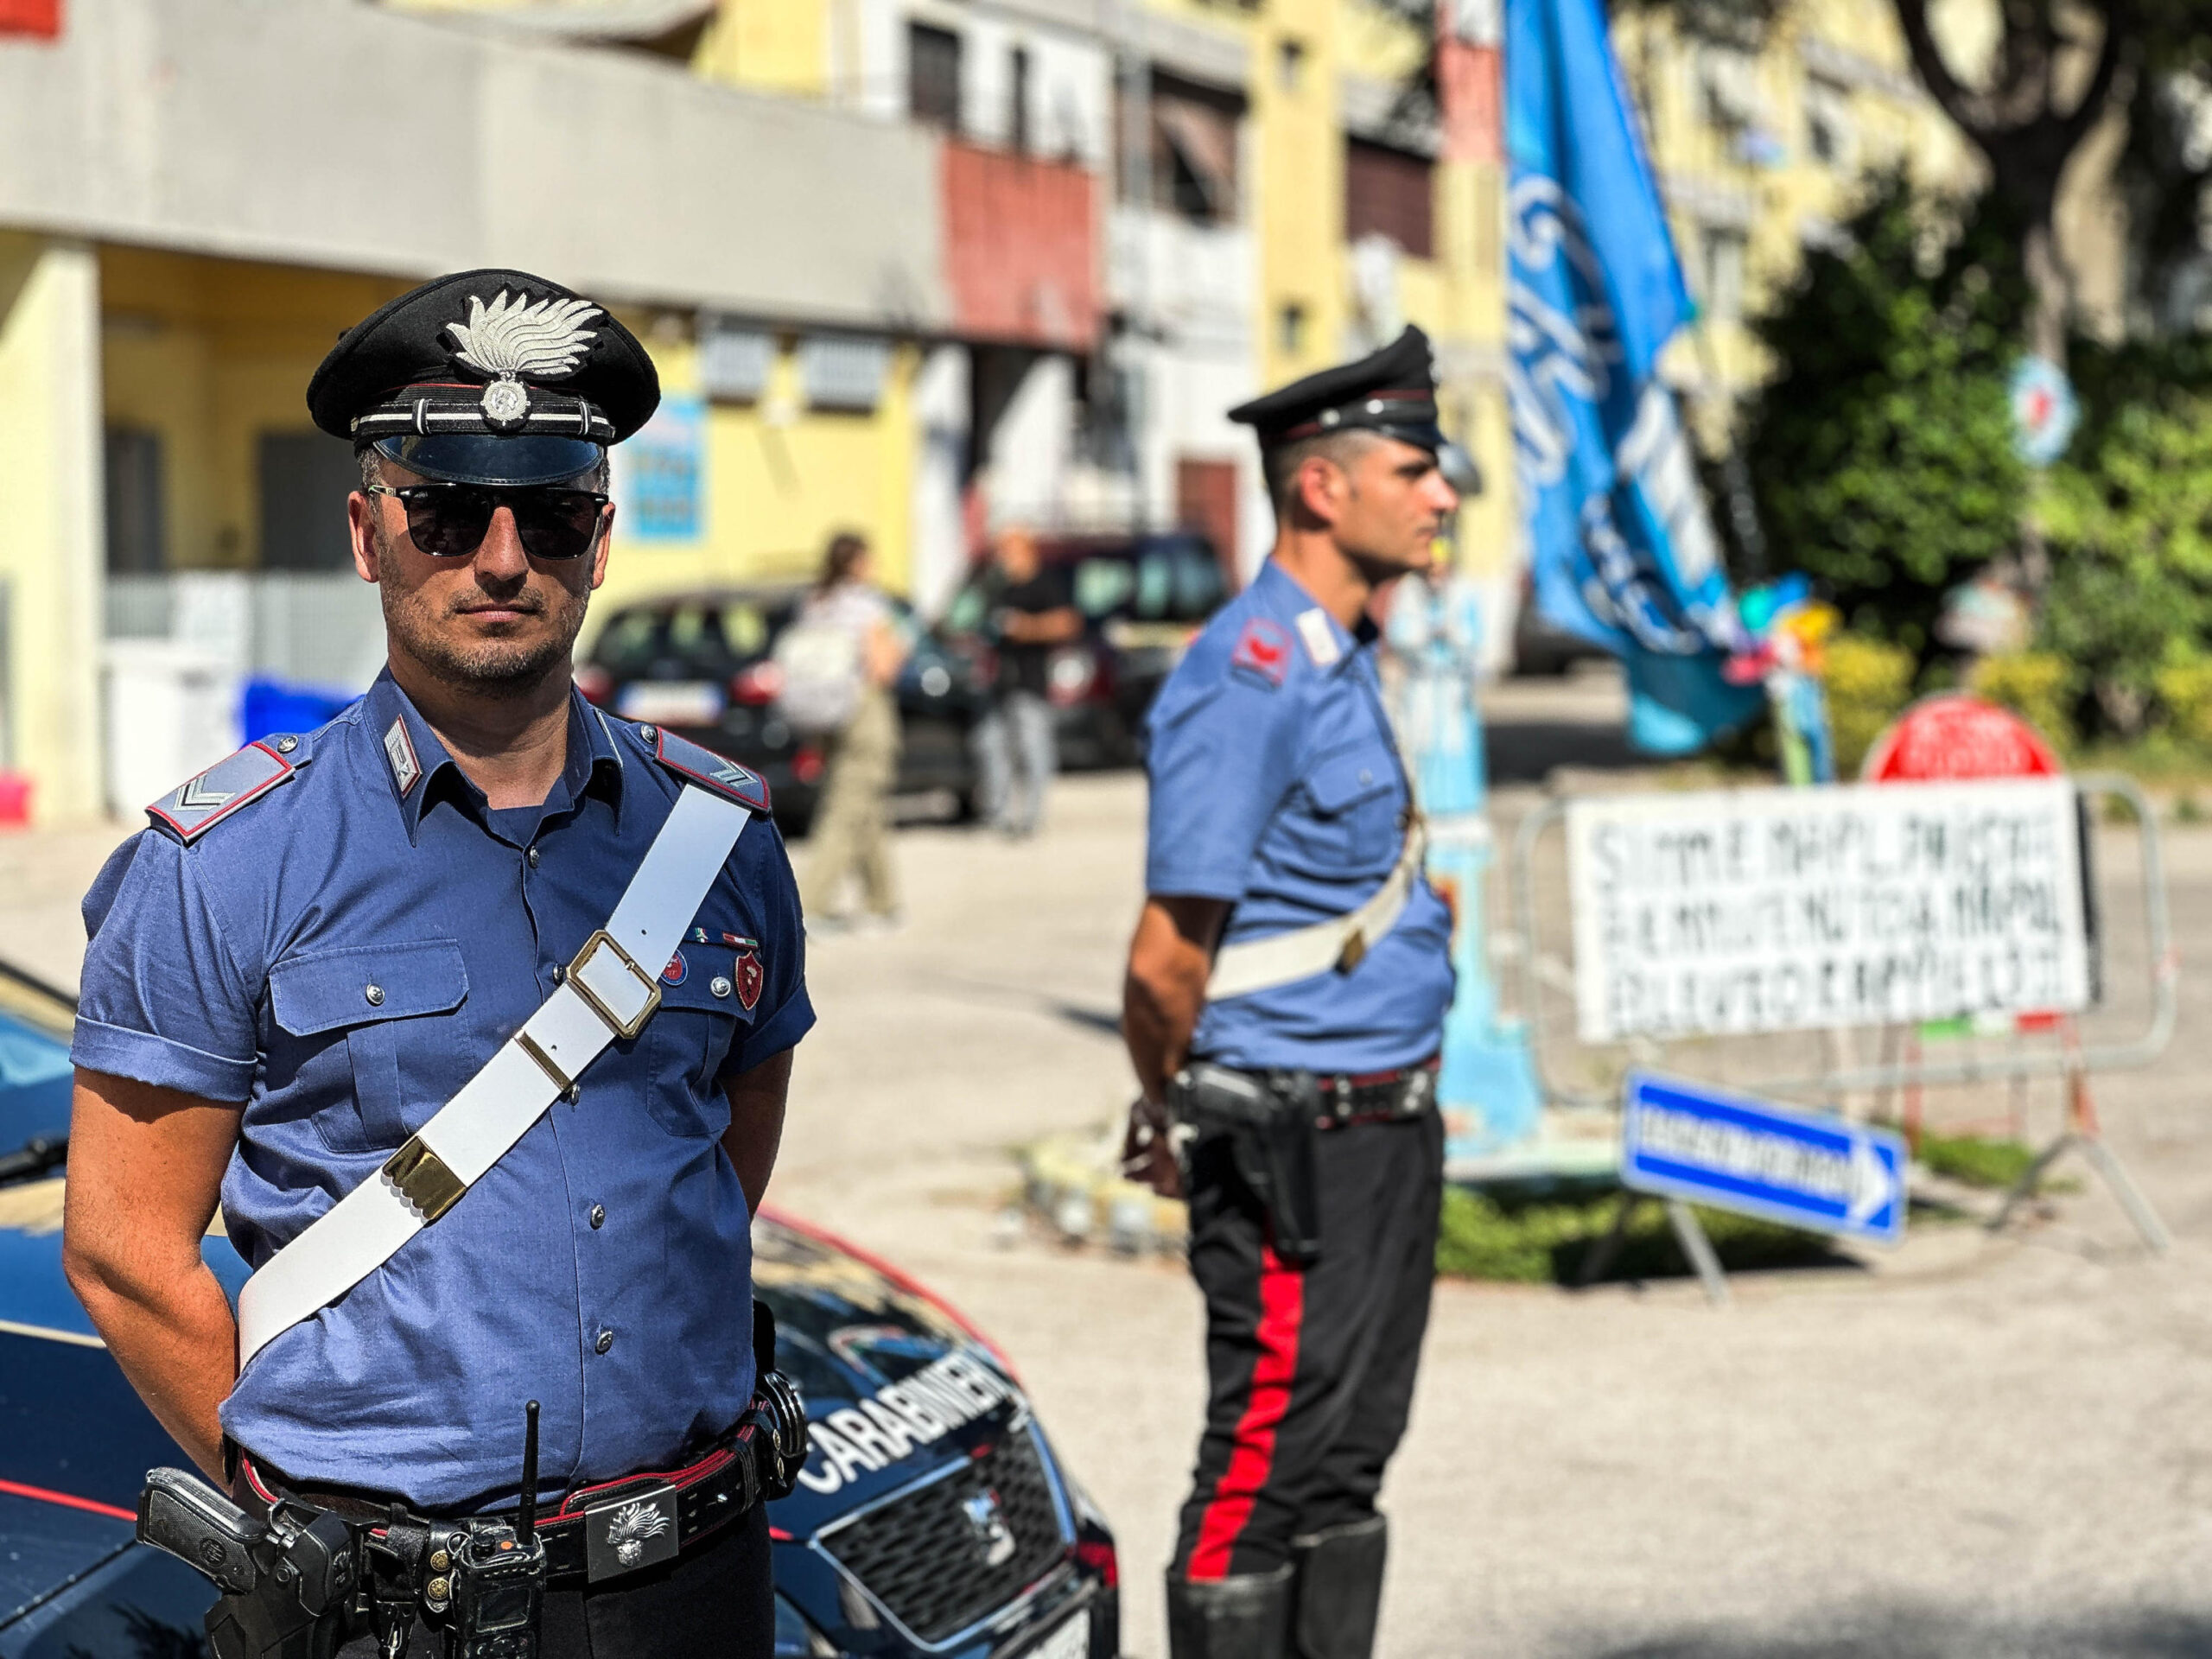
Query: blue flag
[(1623, 549)]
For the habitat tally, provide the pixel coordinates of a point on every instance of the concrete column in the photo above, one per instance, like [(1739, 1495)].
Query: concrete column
[(938, 538), (53, 536)]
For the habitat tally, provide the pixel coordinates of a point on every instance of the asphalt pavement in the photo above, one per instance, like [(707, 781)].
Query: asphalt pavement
[(1980, 1445)]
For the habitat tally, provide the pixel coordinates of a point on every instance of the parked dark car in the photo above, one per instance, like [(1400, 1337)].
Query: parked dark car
[(700, 664), (1143, 598), (948, 1530)]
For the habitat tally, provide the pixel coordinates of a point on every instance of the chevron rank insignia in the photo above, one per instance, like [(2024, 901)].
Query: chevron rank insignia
[(703, 765), (192, 808)]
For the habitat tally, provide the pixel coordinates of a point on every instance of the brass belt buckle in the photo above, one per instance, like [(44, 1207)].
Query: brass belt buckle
[(650, 981)]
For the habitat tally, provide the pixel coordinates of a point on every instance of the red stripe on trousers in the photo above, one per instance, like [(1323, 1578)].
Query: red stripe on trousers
[(1282, 1314)]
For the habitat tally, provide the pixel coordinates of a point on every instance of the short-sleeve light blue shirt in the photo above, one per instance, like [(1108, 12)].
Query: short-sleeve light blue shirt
[(338, 956), (1276, 786)]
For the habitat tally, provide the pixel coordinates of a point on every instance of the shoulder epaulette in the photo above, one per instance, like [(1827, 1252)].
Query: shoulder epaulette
[(194, 807), (701, 765)]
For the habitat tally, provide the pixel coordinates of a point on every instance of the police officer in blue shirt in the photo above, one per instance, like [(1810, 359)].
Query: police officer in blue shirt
[(475, 1010), (1285, 1002)]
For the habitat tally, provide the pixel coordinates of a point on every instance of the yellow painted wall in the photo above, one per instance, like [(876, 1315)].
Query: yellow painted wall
[(211, 354), (51, 551), (772, 46)]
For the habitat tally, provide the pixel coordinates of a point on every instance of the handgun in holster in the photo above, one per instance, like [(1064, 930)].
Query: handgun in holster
[(286, 1585), (1268, 1120)]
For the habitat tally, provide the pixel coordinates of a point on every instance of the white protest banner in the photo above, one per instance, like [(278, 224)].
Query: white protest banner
[(1799, 909)]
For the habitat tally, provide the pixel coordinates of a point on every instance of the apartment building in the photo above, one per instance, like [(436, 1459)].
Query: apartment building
[(920, 267)]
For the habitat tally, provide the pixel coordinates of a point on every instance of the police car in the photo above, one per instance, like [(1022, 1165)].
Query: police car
[(933, 1517)]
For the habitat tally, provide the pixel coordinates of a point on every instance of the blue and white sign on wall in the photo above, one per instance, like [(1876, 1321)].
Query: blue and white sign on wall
[(1802, 1169), (660, 485)]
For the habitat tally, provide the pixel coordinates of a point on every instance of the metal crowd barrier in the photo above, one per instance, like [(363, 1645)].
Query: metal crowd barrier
[(1546, 976)]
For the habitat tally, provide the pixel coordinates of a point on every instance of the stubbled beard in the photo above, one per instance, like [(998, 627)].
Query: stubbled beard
[(488, 668)]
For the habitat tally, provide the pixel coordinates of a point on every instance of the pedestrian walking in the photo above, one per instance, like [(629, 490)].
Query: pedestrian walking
[(474, 1010), (1286, 994), (1032, 612), (841, 658)]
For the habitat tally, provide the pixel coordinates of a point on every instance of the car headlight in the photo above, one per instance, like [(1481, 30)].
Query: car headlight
[(795, 1639)]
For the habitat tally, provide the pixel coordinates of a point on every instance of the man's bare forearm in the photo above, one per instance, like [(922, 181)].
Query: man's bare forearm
[(1165, 991), (177, 1344), (145, 1171), (756, 1124)]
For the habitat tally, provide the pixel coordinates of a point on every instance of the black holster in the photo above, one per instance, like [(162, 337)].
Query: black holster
[(1270, 1120)]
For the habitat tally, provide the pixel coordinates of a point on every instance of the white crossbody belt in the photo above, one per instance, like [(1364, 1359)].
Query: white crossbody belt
[(610, 990), (1337, 943)]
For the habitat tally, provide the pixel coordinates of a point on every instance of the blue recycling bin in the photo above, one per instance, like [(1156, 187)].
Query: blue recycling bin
[(280, 705)]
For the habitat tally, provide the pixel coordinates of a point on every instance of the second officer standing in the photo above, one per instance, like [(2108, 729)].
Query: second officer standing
[(1286, 996)]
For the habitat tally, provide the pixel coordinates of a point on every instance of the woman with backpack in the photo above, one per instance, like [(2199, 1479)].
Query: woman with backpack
[(840, 657)]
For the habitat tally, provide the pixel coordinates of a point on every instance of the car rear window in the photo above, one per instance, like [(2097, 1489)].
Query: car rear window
[(705, 638), (1176, 581)]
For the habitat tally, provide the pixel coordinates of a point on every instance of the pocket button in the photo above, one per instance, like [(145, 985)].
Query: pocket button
[(375, 994)]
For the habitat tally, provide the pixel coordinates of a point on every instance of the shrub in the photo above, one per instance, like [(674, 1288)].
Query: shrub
[(2185, 686), (1868, 683), (2039, 686)]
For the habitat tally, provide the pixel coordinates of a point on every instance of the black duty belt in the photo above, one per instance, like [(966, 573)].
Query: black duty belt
[(602, 1532), (1377, 1097)]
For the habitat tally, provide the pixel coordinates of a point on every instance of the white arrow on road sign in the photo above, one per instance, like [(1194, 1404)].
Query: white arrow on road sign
[(1873, 1187)]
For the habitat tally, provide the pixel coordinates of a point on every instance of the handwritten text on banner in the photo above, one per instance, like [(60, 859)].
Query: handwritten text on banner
[(1787, 910)]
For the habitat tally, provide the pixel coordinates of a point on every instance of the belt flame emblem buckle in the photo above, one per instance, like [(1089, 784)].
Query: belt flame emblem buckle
[(638, 1529), (615, 1023)]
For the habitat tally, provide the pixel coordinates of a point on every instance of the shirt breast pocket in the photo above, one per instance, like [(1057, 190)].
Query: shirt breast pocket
[(376, 1004), (1355, 799), (688, 1040)]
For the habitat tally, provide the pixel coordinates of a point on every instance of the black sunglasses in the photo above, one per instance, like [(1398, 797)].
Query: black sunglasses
[(449, 521)]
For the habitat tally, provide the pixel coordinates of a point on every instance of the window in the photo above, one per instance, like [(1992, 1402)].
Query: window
[(1389, 192), (1017, 114), (934, 76), (1721, 257), (305, 479), (1290, 329), (137, 526), (837, 372), (1829, 127), (734, 360), (1193, 159), (1290, 65)]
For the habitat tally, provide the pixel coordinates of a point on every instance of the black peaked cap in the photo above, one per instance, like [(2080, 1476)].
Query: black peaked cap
[(1392, 391), (499, 354)]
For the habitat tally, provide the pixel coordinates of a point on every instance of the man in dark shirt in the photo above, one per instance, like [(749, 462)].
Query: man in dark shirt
[(1031, 614)]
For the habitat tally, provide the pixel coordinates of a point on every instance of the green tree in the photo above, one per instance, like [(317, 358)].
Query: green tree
[(2129, 520), (1881, 453)]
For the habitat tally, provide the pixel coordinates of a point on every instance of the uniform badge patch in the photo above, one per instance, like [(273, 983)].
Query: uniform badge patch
[(724, 776), (750, 977), (399, 749), (678, 970), (191, 808), (1263, 648), (1320, 643)]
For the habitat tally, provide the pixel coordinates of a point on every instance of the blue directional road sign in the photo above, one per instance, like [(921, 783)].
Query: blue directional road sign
[(1685, 1140)]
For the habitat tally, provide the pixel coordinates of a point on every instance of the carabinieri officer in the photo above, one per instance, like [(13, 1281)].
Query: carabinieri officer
[(476, 1008), (1285, 1002)]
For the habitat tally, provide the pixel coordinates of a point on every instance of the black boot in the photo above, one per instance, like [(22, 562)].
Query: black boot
[(1244, 1617), (1339, 1589)]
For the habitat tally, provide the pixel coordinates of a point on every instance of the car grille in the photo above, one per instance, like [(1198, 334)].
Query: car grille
[(926, 1555)]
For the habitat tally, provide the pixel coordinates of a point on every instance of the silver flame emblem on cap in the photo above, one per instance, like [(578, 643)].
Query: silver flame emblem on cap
[(511, 339)]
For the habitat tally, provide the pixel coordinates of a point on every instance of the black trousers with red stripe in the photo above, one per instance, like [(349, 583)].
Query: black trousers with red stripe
[(1311, 1369)]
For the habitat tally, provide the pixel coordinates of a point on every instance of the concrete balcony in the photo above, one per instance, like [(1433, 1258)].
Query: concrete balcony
[(1193, 282)]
